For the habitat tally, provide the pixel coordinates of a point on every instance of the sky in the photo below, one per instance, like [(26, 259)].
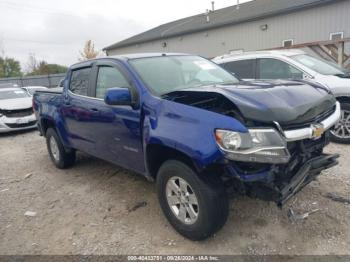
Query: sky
[(56, 30)]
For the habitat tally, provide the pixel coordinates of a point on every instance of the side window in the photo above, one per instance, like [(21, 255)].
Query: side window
[(269, 68), (243, 69), (109, 77), (79, 82)]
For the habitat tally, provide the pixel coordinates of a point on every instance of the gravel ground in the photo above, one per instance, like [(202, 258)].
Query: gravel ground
[(98, 208)]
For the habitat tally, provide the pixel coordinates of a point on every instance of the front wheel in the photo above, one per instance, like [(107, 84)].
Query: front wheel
[(196, 207), (341, 131)]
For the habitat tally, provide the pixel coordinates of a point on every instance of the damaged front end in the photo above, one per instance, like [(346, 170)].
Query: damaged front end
[(279, 182), (288, 125), (279, 178)]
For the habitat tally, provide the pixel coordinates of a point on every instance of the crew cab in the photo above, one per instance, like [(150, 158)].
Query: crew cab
[(192, 127), (295, 65)]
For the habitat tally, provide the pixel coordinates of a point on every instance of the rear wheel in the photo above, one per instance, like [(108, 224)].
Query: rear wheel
[(196, 207), (60, 156), (341, 131)]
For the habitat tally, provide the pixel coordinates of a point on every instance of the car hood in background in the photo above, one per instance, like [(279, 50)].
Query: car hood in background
[(338, 85), (15, 104), (286, 102)]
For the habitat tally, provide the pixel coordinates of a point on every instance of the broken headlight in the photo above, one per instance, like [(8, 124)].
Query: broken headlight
[(258, 145)]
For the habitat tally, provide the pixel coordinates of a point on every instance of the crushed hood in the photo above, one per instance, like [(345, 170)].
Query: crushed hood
[(285, 102), (15, 104)]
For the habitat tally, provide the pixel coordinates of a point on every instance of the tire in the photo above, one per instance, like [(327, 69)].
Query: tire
[(345, 107), (212, 201), (60, 156)]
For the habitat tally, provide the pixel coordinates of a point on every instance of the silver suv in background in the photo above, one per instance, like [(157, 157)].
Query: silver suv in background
[(295, 65)]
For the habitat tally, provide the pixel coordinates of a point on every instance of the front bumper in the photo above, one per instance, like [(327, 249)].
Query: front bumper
[(307, 173), (9, 124)]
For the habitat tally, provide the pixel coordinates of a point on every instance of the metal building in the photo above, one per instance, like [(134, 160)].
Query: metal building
[(255, 25)]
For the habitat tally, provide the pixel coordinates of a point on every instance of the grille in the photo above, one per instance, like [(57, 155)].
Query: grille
[(17, 113), (21, 125), (317, 119)]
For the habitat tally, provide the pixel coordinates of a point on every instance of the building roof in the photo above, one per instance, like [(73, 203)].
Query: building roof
[(249, 11)]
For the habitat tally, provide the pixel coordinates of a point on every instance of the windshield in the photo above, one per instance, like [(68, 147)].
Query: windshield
[(12, 94), (319, 65), (167, 74)]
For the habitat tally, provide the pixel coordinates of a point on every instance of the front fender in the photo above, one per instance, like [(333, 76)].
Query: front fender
[(187, 129)]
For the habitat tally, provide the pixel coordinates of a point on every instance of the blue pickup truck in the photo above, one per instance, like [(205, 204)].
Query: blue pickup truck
[(192, 127)]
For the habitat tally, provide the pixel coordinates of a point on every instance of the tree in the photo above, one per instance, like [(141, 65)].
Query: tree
[(32, 63), (9, 67), (37, 67), (89, 51)]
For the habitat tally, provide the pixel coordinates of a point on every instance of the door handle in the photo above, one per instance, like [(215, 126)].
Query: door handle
[(94, 109)]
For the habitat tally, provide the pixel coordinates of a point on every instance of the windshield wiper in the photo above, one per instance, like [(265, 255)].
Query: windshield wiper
[(343, 75), (227, 83)]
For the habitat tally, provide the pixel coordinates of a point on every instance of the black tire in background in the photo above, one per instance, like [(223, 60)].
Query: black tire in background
[(334, 137), (213, 203), (61, 157)]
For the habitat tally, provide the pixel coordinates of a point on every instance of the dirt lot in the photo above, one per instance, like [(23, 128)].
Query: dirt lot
[(88, 209)]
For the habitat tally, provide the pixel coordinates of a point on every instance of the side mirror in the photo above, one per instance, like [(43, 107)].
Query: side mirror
[(117, 96), (306, 77), (61, 83)]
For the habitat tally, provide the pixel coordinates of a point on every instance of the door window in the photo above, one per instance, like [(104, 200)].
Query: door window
[(109, 77), (275, 69), (243, 69), (79, 82)]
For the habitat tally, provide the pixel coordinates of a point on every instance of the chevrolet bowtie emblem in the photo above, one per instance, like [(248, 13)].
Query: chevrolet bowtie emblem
[(317, 130)]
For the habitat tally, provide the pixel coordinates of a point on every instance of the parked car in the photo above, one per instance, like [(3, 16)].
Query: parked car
[(16, 112), (31, 89), (296, 65), (3, 85), (189, 125)]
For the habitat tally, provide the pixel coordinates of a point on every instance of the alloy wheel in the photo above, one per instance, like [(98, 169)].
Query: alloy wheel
[(182, 200), (342, 129), (54, 149)]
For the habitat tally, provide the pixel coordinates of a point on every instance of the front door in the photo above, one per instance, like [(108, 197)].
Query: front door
[(118, 132)]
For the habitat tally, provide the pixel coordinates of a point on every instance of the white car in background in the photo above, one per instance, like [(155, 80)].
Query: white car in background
[(31, 89), (16, 112), (295, 65)]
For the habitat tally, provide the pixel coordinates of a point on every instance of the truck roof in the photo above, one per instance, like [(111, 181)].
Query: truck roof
[(128, 57), (144, 55)]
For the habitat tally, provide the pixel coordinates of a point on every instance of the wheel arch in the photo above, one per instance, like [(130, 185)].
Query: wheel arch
[(45, 124), (157, 154)]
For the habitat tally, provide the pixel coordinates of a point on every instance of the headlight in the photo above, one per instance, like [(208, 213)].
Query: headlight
[(258, 145)]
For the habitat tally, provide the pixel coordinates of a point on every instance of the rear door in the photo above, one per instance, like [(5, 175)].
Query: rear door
[(78, 115), (117, 133), (243, 69)]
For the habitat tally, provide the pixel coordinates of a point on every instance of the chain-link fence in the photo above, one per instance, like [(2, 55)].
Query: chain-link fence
[(42, 80)]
